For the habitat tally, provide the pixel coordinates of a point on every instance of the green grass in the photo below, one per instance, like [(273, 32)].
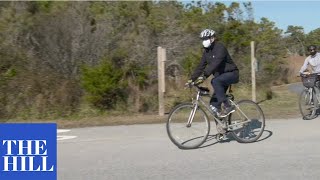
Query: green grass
[(283, 105)]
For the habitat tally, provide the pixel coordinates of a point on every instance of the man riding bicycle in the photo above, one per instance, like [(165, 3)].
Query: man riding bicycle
[(309, 99), (217, 61)]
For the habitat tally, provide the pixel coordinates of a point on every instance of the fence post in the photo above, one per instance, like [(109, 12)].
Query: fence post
[(161, 78), (253, 73)]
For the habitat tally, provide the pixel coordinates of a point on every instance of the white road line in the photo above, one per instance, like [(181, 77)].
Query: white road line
[(60, 138), (63, 130), (64, 137)]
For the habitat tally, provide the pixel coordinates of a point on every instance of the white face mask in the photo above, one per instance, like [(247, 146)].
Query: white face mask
[(206, 43)]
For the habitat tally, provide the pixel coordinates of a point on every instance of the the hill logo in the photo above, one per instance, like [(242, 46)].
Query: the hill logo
[(28, 151)]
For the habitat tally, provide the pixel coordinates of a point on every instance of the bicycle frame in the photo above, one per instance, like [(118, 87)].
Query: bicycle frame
[(192, 134), (315, 88), (310, 97), (220, 122), (238, 123)]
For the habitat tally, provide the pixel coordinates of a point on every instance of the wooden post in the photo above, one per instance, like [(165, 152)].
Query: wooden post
[(253, 73), (161, 79)]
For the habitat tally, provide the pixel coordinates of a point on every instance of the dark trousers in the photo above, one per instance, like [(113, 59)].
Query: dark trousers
[(220, 85)]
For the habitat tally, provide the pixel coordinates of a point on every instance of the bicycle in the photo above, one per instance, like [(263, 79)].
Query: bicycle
[(309, 98), (188, 124)]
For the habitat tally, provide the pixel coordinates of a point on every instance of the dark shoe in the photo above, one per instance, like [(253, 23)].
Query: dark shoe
[(227, 111)]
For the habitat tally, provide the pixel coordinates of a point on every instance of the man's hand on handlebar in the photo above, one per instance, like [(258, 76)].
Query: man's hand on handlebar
[(304, 74), (199, 80)]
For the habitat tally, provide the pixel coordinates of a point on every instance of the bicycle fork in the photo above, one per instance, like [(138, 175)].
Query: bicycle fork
[(193, 111), (191, 116)]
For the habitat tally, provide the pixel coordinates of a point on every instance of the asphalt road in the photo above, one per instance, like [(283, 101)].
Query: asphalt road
[(288, 149), (296, 87)]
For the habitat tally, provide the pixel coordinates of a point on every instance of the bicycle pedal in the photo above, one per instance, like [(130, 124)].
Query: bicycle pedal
[(220, 137)]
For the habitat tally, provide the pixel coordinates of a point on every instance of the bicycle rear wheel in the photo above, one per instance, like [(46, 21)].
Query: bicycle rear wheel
[(307, 102), (182, 135), (248, 122)]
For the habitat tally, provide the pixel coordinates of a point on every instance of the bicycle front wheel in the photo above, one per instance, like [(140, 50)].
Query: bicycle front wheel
[(247, 121), (307, 102), (184, 135)]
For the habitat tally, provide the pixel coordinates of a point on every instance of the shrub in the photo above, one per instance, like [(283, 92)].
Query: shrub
[(104, 85)]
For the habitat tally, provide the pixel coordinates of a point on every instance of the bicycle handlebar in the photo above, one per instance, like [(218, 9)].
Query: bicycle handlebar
[(307, 75), (190, 85)]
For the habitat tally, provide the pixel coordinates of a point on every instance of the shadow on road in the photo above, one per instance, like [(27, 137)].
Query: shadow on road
[(270, 133), (213, 140)]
